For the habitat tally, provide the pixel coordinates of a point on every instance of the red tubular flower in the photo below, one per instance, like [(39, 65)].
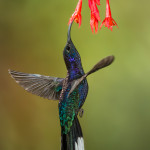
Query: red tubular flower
[(93, 23), (76, 16), (109, 22), (95, 17)]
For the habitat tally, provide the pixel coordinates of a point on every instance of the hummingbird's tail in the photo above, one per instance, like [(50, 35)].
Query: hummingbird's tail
[(73, 140)]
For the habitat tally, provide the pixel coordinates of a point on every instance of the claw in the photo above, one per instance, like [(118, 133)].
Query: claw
[(81, 112)]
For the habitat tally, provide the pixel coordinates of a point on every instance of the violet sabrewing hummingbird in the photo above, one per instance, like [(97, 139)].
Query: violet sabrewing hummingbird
[(70, 91)]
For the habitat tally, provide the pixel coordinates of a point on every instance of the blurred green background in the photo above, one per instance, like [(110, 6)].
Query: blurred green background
[(33, 34)]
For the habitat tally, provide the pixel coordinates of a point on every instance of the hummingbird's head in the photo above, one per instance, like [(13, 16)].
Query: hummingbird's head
[(71, 56)]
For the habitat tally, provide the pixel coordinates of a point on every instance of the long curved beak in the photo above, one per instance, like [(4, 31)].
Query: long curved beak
[(69, 32)]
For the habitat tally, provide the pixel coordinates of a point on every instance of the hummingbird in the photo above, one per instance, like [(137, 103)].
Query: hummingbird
[(70, 91)]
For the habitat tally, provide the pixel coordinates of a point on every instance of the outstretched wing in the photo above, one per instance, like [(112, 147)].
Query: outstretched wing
[(101, 64), (44, 86)]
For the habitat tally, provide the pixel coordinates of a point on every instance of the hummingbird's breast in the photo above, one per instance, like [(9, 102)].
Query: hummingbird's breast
[(70, 105)]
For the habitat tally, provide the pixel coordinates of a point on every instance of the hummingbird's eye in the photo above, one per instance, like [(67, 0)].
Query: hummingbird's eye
[(67, 48)]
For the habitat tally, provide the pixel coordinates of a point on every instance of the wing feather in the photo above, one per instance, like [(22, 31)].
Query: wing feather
[(44, 86)]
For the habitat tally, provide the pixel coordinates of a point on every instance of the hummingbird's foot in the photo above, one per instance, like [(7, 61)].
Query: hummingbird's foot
[(81, 112)]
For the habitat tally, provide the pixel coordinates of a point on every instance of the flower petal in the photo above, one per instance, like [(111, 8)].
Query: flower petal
[(109, 22), (97, 2), (95, 17), (76, 16), (94, 23)]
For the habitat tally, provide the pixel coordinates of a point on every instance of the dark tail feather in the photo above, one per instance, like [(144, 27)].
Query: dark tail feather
[(73, 140)]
